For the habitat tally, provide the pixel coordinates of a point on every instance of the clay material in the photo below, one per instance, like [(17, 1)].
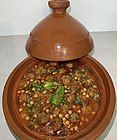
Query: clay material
[(91, 132), (59, 37)]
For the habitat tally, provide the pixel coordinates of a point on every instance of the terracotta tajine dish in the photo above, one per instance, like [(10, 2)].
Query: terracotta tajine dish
[(34, 104), (92, 131)]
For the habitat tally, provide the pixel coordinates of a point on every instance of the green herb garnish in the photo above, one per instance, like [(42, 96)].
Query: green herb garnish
[(38, 86), (96, 97), (57, 98), (79, 101), (74, 116), (88, 69), (50, 85)]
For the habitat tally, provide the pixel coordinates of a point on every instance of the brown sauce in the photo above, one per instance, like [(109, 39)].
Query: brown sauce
[(58, 99)]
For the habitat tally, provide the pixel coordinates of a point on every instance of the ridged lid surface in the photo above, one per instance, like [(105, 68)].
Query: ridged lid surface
[(59, 37)]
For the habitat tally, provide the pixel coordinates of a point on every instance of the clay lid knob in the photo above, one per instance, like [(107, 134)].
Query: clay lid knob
[(59, 6)]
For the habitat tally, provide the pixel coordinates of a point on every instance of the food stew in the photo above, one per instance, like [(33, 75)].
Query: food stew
[(58, 98)]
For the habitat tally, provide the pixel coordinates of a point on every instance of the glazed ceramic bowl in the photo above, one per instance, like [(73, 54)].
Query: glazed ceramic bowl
[(90, 132)]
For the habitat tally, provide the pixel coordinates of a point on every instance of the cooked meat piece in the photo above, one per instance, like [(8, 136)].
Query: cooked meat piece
[(22, 98), (48, 130), (64, 109), (56, 111), (57, 124), (66, 80), (61, 132), (70, 97), (74, 118), (69, 65), (62, 70), (86, 110), (53, 64), (43, 118), (31, 75), (95, 105)]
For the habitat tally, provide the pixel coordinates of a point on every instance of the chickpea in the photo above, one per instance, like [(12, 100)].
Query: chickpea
[(68, 126), (31, 102), (44, 91), (44, 108), (25, 85), (67, 122), (64, 123), (68, 87), (42, 81), (85, 89), (39, 77), (20, 109), (24, 76), (71, 129), (82, 90), (23, 116), (79, 111), (54, 115), (81, 123), (94, 86), (76, 127), (67, 116), (56, 110), (36, 126), (27, 82), (22, 91), (27, 118), (76, 78), (54, 73), (70, 111), (19, 91), (65, 90), (24, 104), (47, 110), (93, 113), (27, 91), (51, 116), (64, 119), (84, 93), (35, 115), (36, 95), (60, 115), (33, 89), (87, 95), (31, 80), (47, 101), (74, 107)]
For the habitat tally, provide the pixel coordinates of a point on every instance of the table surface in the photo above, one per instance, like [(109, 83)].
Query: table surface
[(12, 51)]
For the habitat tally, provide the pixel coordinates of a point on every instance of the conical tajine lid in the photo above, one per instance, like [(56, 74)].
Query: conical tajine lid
[(59, 37)]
